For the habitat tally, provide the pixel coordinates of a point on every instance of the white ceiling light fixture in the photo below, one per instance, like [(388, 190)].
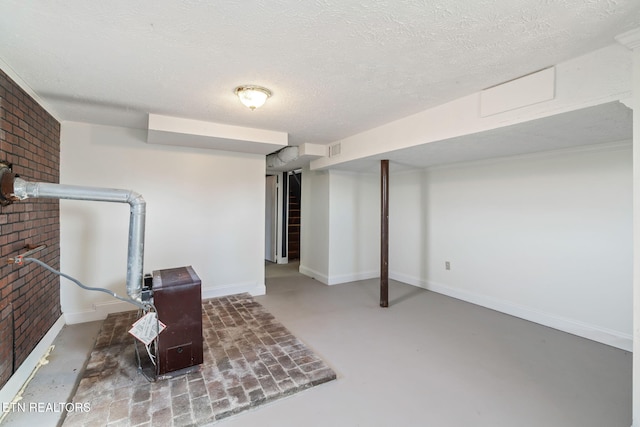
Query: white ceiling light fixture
[(252, 96)]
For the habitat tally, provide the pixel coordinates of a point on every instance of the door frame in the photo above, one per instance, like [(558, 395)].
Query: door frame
[(277, 220)]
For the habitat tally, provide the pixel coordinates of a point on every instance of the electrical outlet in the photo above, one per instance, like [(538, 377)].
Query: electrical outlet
[(447, 265)]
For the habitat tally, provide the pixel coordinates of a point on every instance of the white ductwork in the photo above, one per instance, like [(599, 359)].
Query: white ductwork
[(294, 157), (282, 157)]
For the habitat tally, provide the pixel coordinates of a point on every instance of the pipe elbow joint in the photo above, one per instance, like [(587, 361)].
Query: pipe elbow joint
[(136, 201)]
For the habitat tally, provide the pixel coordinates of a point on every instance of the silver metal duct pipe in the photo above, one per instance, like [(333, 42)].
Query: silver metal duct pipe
[(282, 157), (135, 258)]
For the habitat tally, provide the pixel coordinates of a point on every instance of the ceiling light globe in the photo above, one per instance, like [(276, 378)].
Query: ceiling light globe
[(252, 96)]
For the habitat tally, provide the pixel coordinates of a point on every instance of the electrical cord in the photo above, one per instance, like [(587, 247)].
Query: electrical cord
[(83, 286), (143, 308)]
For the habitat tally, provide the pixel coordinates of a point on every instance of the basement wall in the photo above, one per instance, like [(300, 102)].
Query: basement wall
[(29, 295), (314, 225), (354, 248), (545, 237), (340, 226), (205, 208)]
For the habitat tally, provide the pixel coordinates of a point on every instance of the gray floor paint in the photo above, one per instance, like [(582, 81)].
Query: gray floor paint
[(427, 360), (56, 381)]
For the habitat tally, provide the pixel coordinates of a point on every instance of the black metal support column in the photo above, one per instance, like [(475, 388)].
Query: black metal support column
[(384, 233)]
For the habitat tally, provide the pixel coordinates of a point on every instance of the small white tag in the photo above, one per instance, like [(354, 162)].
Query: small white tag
[(146, 328)]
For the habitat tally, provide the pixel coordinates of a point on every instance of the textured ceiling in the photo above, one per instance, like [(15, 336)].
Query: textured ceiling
[(336, 67), (602, 124)]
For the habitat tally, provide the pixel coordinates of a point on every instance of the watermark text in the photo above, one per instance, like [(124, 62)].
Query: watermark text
[(45, 407)]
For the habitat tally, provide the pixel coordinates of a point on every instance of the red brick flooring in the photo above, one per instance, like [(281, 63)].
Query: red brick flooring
[(249, 359)]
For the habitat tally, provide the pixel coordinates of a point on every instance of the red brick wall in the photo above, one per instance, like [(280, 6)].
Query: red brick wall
[(29, 295)]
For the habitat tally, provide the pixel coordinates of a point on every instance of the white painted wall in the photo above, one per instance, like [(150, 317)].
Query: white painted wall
[(631, 40), (546, 237), (205, 208), (354, 212), (314, 225), (340, 226), (636, 220), (408, 226)]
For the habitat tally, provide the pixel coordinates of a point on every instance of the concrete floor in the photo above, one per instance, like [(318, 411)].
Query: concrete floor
[(54, 383), (427, 360)]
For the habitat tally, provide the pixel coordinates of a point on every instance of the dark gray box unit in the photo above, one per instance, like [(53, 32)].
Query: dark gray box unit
[(178, 299)]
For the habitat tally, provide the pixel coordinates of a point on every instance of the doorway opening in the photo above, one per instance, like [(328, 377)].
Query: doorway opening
[(282, 217), (293, 217), (271, 218)]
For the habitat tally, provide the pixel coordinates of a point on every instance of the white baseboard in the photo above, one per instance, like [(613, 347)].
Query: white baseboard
[(100, 311), (313, 274), (19, 377), (595, 333), (346, 278), (409, 280), (336, 280), (253, 288)]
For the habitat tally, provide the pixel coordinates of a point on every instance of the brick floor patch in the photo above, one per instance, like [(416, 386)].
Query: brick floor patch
[(249, 359)]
